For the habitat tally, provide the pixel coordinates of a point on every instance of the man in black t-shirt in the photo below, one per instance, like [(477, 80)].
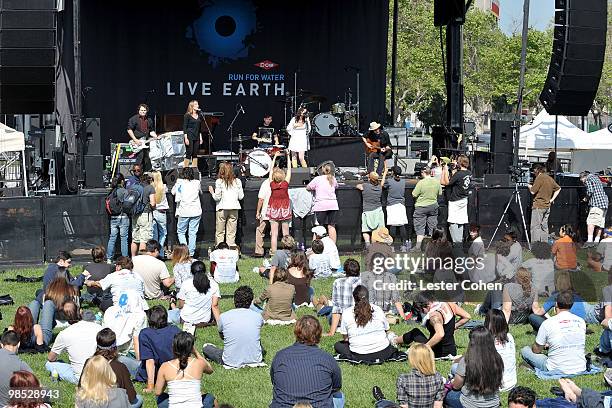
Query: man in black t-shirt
[(139, 128), (268, 139), (459, 184)]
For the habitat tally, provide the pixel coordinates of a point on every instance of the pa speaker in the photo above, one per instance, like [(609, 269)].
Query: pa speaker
[(501, 136), (27, 56), (446, 11), (94, 171), (579, 46)]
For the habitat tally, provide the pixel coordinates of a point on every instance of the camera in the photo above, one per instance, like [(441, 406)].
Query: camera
[(519, 174)]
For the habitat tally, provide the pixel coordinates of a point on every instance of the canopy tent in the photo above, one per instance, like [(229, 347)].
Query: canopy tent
[(12, 148), (540, 135)]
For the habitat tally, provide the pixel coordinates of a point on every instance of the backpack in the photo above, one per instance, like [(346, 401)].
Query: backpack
[(133, 203), (112, 203)]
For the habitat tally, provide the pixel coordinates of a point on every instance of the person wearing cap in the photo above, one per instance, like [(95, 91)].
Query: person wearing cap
[(78, 340), (426, 194), (372, 216), (598, 207), (329, 247), (378, 145)]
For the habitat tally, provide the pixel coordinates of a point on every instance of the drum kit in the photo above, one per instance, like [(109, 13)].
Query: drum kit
[(341, 120), (258, 161)]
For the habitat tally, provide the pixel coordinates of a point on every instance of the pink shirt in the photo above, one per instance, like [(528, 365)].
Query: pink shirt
[(325, 194)]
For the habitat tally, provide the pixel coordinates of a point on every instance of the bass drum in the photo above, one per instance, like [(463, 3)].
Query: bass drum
[(259, 163), (325, 124)]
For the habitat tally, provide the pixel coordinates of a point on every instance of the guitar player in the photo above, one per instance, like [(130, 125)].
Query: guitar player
[(378, 146), (139, 128)]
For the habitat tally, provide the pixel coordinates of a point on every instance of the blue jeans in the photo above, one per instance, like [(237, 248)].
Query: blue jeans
[(385, 404), (536, 321), (339, 399), (326, 311), (138, 402), (64, 371), (131, 364), (533, 359), (119, 224), (160, 229), (192, 224), (452, 399), (605, 341), (208, 400), (47, 318), (174, 316)]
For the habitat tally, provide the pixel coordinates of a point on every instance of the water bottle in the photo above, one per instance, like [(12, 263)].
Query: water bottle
[(54, 376)]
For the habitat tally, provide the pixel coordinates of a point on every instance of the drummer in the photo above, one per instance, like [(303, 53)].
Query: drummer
[(266, 139)]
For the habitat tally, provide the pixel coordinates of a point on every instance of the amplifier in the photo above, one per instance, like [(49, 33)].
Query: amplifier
[(497, 180)]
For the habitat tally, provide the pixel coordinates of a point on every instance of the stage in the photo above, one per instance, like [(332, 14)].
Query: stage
[(34, 229)]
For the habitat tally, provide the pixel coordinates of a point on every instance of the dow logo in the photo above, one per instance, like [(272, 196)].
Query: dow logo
[(223, 30)]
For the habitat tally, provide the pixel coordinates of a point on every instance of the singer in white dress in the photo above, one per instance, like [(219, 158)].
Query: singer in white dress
[(298, 130)]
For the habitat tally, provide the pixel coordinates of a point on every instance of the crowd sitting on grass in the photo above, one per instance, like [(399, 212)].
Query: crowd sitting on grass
[(129, 342)]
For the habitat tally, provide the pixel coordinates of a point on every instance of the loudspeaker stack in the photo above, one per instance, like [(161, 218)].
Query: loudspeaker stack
[(27, 56), (579, 47)]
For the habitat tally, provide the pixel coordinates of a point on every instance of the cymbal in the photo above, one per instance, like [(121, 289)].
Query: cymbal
[(316, 98), (285, 101), (304, 92), (241, 138)]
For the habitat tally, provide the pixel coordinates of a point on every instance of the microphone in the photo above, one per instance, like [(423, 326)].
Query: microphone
[(150, 91), (198, 110), (351, 68)]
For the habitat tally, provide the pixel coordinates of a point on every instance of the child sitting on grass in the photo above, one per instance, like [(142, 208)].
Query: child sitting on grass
[(278, 297)]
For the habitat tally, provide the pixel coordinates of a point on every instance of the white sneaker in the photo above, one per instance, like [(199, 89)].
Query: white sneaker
[(477, 308), (392, 337), (256, 269), (267, 264), (189, 328)]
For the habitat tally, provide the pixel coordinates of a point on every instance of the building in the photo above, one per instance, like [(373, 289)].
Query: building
[(488, 5)]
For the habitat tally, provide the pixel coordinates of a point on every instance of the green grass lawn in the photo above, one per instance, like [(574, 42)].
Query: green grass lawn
[(251, 387)]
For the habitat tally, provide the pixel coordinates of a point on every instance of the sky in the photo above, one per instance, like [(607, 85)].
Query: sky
[(541, 13)]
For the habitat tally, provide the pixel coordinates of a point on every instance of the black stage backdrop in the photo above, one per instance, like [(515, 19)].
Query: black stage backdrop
[(228, 52)]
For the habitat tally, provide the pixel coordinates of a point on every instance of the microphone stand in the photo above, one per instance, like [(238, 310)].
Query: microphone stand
[(231, 130), (210, 136)]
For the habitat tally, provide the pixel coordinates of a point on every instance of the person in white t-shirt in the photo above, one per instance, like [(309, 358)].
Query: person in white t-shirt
[(542, 268), (152, 270), (260, 214), (78, 340), (126, 319), (224, 264), (329, 246), (121, 281), (505, 346), (565, 336), (318, 262), (364, 327), (198, 299)]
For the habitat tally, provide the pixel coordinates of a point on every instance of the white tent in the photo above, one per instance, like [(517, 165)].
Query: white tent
[(540, 135), (12, 148)]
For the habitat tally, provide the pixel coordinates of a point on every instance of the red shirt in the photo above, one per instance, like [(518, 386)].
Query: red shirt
[(280, 195), (565, 252)]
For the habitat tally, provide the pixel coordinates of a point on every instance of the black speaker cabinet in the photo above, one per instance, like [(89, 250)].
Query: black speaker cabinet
[(576, 64), (94, 171), (501, 136)]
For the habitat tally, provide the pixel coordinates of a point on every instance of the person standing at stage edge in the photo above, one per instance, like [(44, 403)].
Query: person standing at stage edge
[(140, 126), (298, 129), (459, 184), (544, 190), (192, 134)]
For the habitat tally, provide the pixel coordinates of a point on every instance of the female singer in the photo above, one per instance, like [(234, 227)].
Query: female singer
[(192, 134), (298, 129)]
